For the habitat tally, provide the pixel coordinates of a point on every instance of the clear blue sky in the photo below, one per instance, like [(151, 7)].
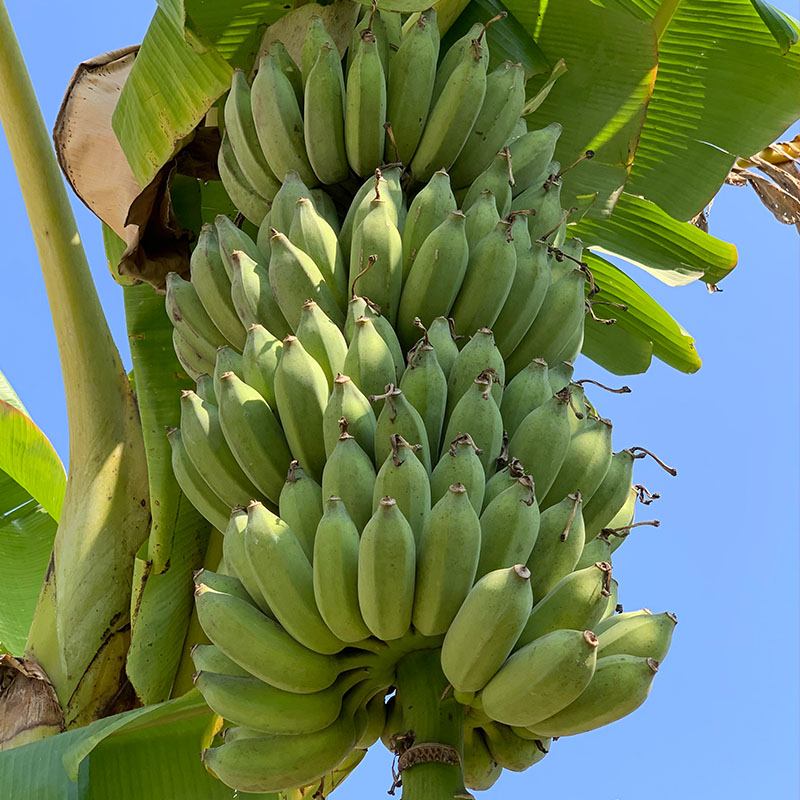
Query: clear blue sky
[(722, 718)]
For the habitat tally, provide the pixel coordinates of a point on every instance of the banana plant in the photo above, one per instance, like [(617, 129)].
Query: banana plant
[(97, 612)]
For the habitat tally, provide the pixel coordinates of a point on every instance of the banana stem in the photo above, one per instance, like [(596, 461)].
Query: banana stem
[(430, 745)]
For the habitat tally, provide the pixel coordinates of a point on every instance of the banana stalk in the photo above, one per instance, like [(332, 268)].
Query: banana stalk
[(80, 636)]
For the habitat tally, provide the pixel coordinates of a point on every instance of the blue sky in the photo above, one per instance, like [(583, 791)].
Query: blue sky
[(722, 718)]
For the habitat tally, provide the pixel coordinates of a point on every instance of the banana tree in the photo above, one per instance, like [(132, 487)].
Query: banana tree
[(98, 617)]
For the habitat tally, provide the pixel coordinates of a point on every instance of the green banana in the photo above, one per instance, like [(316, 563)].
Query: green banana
[(645, 635), (241, 129), (559, 375), (313, 234), (425, 387), (482, 218), (613, 606), (253, 206), (347, 401), (531, 155), (488, 280), (231, 238), (547, 423), (544, 198), (322, 339), (394, 721), (524, 393), (429, 209), (253, 435), (496, 178), (369, 361), (479, 354), (481, 771), (194, 364), (349, 474), (376, 258), (324, 117), (213, 287), (205, 389), (509, 527), (393, 22), (327, 208), (487, 625), (441, 334), (585, 464), (577, 406), (364, 307), (260, 357), (503, 479), (285, 576), (365, 107), (190, 319), (541, 678), (300, 506), (559, 545), (460, 464), (446, 562), (284, 206), (597, 549), (316, 37), (192, 484), (376, 720), (373, 21), (398, 416), (301, 392), (253, 297), (228, 360), (576, 602), (477, 414), (520, 129), (512, 752), (499, 114), (403, 477), (279, 122), (386, 567), (408, 101), (288, 67), (209, 658), (336, 546), (620, 685), (453, 112), (207, 449)]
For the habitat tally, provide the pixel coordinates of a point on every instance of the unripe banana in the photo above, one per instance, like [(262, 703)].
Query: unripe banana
[(253, 435), (365, 107), (477, 414), (453, 56), (509, 527), (558, 546), (393, 24), (620, 685), (481, 771), (192, 484), (503, 479), (613, 606), (364, 307), (561, 312), (231, 238), (394, 722), (576, 602), (559, 375), (453, 113), (376, 258), (349, 474), (207, 449), (253, 297), (549, 221), (441, 335), (524, 393), (369, 361), (386, 567), (284, 206), (611, 494), (209, 658), (300, 506), (403, 477), (425, 387), (499, 114), (408, 101), (597, 549), (531, 155), (486, 627), (645, 635), (288, 67), (460, 464), (497, 179), (376, 721), (190, 319), (322, 339), (541, 678), (578, 406), (447, 560), (316, 37), (279, 122), (512, 752), (194, 364), (347, 401), (435, 277), (213, 287), (260, 357), (336, 546), (327, 208), (520, 129), (490, 273), (244, 197), (547, 423), (585, 464), (324, 118), (482, 218), (313, 234), (479, 354), (228, 360), (398, 416), (375, 24), (285, 576), (241, 129)]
